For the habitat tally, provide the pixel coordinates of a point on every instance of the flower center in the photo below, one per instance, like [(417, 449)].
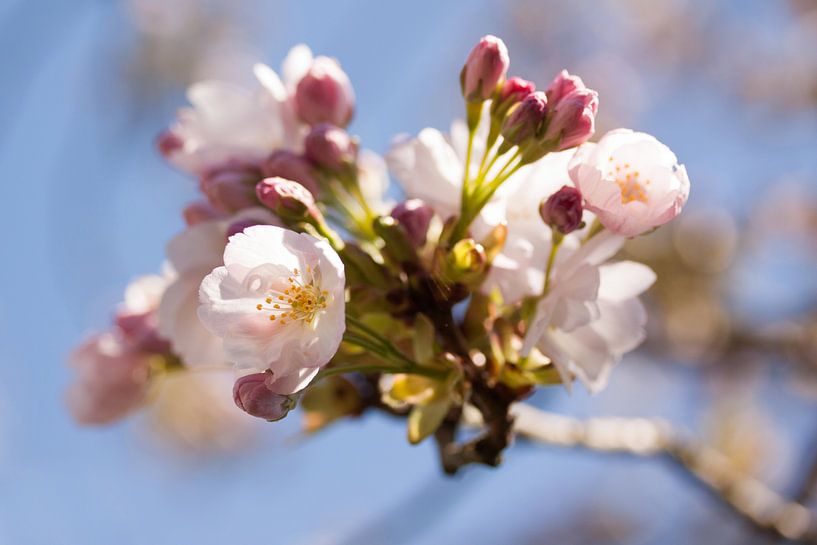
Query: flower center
[(299, 301), (632, 189)]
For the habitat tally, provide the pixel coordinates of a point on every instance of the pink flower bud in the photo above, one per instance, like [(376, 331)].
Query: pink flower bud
[(515, 89), (289, 200), (238, 227), (563, 210), (414, 216), (230, 188), (324, 94), (330, 147), (573, 119), (484, 69), (168, 142), (512, 92), (290, 165), (253, 395), (199, 211), (562, 85), (141, 332), (525, 120)]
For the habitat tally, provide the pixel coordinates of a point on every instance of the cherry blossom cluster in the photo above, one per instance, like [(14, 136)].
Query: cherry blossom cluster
[(495, 274)]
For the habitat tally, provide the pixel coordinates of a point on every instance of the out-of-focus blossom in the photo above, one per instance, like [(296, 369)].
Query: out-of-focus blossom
[(136, 316), (591, 316), (254, 395), (193, 410), (414, 216), (373, 179), (484, 69), (112, 380), (631, 181), (199, 211), (292, 166), (192, 254), (226, 123), (324, 94), (330, 147), (113, 368), (278, 303)]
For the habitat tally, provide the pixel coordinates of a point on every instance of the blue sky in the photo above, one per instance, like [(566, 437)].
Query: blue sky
[(89, 205)]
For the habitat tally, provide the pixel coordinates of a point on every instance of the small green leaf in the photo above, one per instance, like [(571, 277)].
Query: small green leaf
[(424, 420), (423, 340)]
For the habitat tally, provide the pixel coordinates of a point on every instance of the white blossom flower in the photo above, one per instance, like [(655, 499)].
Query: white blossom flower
[(113, 368), (519, 269), (192, 255), (278, 302), (431, 168), (228, 123), (591, 316), (631, 181), (373, 177)]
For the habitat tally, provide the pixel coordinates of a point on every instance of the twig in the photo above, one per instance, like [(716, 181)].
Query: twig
[(492, 400), (763, 508)]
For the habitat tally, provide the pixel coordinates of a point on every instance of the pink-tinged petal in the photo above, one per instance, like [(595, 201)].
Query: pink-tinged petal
[(278, 303), (112, 380), (296, 64), (631, 181)]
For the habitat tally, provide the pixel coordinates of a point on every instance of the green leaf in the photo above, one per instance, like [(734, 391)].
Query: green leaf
[(423, 341), (424, 420)]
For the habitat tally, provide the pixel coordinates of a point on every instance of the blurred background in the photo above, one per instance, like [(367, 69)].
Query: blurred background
[(730, 86)]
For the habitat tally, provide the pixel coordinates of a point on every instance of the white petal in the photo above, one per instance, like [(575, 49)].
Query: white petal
[(296, 64), (624, 280)]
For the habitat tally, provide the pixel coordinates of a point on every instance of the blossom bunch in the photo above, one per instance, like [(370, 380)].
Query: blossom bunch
[(493, 276)]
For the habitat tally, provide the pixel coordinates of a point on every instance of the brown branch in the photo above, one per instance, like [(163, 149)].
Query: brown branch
[(756, 503), (491, 399)]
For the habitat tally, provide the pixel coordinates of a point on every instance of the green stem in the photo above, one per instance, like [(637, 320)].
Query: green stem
[(595, 228), (554, 248), (373, 368), (467, 167)]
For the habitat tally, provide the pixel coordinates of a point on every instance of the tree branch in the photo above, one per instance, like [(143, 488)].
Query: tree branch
[(756, 503)]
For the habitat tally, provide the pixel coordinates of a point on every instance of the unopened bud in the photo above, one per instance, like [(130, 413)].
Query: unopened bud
[(573, 112), (253, 395), (562, 85), (525, 121), (398, 246), (324, 94), (238, 227), (330, 147), (512, 92), (288, 199), (169, 142), (230, 188), (414, 216), (141, 331), (562, 211), (466, 261), (292, 166), (484, 69)]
